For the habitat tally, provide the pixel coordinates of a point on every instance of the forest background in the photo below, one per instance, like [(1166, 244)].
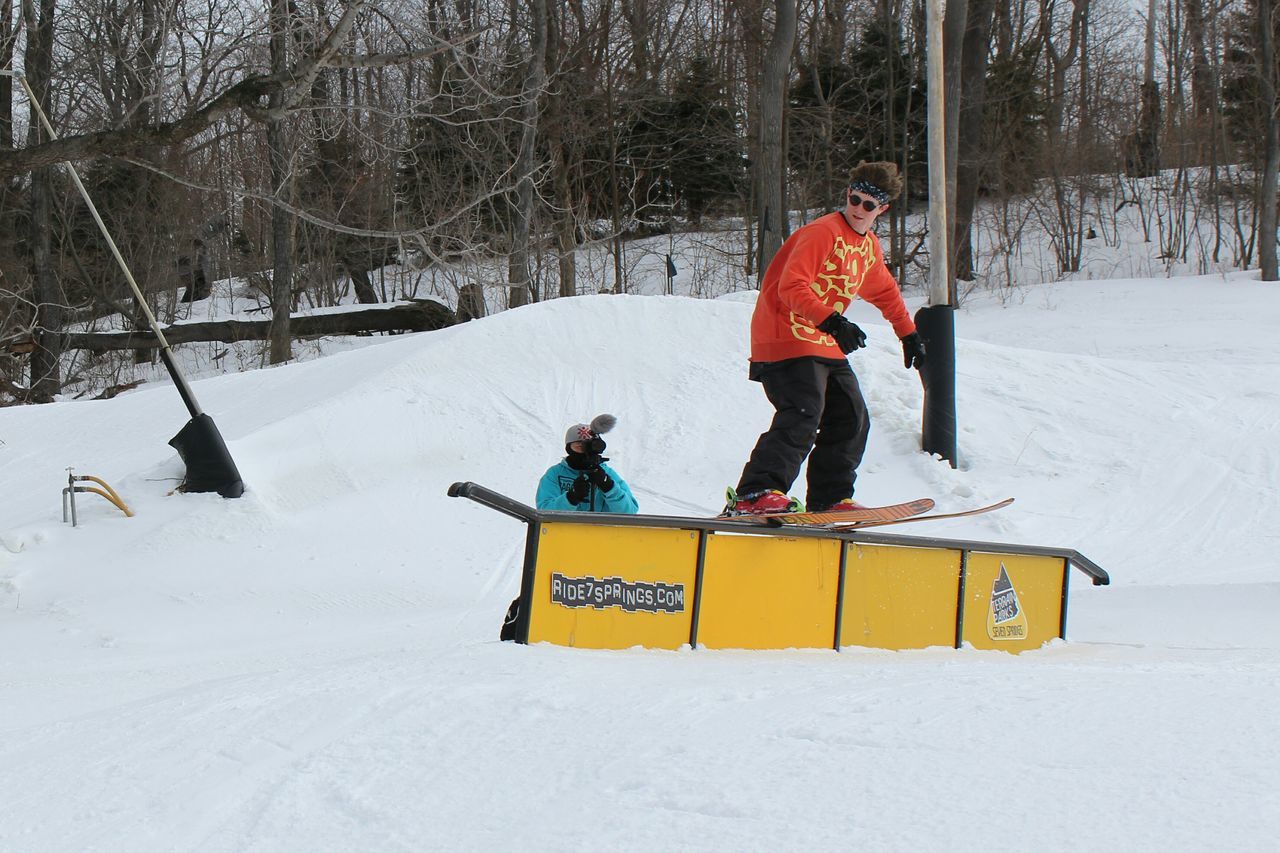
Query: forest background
[(304, 145)]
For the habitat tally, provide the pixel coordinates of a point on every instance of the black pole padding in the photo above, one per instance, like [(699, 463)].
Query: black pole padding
[(210, 467), (937, 326)]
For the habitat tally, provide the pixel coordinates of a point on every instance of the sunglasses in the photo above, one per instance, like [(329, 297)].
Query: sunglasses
[(870, 205)]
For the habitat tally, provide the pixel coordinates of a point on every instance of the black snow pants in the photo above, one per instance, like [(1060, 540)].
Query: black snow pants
[(819, 409)]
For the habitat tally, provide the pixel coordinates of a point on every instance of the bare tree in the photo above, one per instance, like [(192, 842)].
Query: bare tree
[(771, 171), (1068, 190), (8, 42), (955, 28), (1266, 22), (280, 153), (535, 78), (571, 66), (1203, 94), (1142, 146), (969, 154), (50, 303)]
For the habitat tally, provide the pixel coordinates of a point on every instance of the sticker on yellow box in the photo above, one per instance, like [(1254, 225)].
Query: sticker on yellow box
[(1006, 620), (631, 596)]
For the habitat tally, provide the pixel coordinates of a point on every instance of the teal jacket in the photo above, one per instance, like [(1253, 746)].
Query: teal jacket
[(553, 492)]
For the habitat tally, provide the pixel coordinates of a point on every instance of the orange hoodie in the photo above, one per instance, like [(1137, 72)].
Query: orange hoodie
[(820, 269)]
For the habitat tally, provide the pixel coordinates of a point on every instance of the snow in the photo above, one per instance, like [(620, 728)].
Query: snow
[(315, 666)]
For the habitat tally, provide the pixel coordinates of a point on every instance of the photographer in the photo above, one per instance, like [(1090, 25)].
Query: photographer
[(582, 482)]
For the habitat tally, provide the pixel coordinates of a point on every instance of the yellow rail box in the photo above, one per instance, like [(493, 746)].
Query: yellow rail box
[(602, 581)]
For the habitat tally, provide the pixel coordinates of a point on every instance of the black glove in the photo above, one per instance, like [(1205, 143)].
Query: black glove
[(600, 479), (848, 336), (578, 491), (913, 351)]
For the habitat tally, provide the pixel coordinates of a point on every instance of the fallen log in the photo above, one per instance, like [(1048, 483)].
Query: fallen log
[(420, 315)]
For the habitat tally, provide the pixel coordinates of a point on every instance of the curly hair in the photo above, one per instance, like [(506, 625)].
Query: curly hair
[(880, 173)]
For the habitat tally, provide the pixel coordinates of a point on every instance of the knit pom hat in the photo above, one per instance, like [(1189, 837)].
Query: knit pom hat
[(585, 432)]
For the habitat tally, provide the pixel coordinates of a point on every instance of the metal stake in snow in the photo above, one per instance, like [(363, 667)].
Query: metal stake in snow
[(210, 467), (936, 321)]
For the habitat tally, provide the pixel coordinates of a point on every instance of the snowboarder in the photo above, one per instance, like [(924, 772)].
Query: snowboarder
[(799, 340), (582, 482)]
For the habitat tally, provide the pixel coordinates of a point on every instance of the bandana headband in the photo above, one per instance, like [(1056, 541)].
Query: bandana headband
[(871, 190)]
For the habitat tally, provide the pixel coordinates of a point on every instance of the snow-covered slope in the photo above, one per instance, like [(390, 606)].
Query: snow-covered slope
[(315, 667)]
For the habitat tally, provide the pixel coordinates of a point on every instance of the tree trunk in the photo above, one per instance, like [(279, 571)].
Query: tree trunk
[(518, 279), (281, 183), (954, 45), (615, 188), (1059, 63), (1271, 165), (969, 150), (471, 302), (892, 14), (422, 315), (750, 29), (1085, 109), (8, 40), (566, 227), (773, 100), (639, 22), (365, 294), (555, 130), (46, 372), (1203, 98)]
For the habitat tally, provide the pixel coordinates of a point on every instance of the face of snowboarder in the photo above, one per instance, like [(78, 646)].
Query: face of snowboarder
[(861, 210)]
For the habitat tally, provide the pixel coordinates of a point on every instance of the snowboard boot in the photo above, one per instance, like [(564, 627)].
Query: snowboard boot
[(760, 503)]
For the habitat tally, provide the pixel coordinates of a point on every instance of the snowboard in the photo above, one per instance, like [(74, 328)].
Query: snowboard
[(858, 525), (851, 517)]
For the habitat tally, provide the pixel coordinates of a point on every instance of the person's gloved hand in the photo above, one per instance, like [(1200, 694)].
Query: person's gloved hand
[(848, 336), (578, 491), (600, 479), (913, 351)]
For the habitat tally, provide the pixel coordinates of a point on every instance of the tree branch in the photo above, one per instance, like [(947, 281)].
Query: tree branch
[(382, 60), (245, 96), (249, 96)]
